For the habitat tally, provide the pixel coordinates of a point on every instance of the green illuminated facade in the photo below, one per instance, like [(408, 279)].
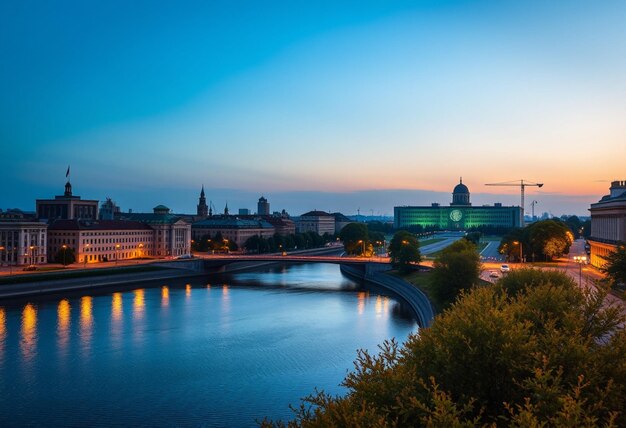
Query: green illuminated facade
[(460, 215)]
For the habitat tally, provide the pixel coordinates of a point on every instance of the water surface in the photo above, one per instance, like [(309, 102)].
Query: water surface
[(203, 353)]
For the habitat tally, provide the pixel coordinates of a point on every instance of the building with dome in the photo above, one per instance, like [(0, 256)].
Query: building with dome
[(459, 215)]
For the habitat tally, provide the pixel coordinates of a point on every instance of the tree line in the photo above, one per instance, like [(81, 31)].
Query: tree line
[(539, 241)]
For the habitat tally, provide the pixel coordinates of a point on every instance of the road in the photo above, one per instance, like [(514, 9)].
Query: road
[(449, 238)]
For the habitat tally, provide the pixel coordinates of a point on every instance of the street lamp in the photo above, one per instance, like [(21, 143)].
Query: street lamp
[(117, 247), (521, 256), (580, 260), (32, 254), (362, 242), (139, 251), (64, 248), (85, 255)]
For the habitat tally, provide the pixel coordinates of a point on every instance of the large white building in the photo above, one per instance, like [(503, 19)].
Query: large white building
[(101, 240), (22, 242), (319, 222), (608, 223)]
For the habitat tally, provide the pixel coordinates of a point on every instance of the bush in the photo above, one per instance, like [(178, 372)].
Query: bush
[(546, 355)]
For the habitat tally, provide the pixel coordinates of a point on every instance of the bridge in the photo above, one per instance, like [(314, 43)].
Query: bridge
[(367, 268)]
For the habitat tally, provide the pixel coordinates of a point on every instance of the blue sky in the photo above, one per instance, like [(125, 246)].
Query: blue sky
[(331, 105)]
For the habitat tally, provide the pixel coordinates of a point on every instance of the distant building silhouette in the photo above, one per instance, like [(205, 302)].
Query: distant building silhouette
[(109, 210), (203, 208), (263, 207)]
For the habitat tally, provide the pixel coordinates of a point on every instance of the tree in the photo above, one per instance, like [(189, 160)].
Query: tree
[(550, 238), (455, 269), (547, 355), (404, 250), (615, 267), (354, 237), (65, 256), (473, 237)]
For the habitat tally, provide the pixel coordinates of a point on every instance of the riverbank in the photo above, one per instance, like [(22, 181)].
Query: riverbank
[(416, 299), (51, 283), (73, 279)]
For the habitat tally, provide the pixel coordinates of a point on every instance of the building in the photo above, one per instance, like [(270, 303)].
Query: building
[(233, 229), (263, 207), (202, 208), (95, 241), (608, 223), (341, 221), (109, 210), (22, 242), (66, 207), (172, 232), (460, 215), (244, 211), (319, 222)]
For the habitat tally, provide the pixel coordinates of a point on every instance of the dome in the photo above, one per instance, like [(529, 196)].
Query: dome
[(461, 194), (460, 188)]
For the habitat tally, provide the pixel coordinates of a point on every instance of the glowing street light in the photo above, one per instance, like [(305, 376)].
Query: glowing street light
[(580, 260), (64, 250), (521, 257), (117, 247)]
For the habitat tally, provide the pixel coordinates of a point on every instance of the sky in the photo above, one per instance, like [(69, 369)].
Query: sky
[(340, 106)]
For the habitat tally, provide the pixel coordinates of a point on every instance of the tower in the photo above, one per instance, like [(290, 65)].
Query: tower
[(263, 207), (68, 189), (460, 194), (203, 209)]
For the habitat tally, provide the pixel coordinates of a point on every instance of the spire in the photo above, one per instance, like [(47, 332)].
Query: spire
[(226, 209), (460, 180), (202, 192)]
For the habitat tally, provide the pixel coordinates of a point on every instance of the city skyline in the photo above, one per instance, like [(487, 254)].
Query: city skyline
[(334, 107)]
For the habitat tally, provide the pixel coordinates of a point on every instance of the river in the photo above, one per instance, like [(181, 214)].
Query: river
[(207, 352)]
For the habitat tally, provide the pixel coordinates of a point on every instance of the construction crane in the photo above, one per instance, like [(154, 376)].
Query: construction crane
[(521, 184)]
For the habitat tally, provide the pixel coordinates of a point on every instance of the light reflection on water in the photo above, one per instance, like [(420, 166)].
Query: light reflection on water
[(244, 349)]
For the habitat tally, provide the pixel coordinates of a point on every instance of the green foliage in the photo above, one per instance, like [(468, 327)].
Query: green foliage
[(615, 267), (355, 238), (65, 256), (473, 237), (547, 355), (456, 268), (550, 238), (277, 243), (518, 280), (544, 240), (404, 250)]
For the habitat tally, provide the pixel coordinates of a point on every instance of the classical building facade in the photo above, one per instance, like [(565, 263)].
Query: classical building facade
[(608, 223), (233, 229), (319, 222), (172, 233), (460, 215), (101, 240), (23, 242), (66, 207)]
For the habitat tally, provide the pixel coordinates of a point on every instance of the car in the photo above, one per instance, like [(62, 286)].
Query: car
[(505, 268), (185, 256), (494, 274), (30, 267)]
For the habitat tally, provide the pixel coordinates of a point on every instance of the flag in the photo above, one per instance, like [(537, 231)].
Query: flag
[(67, 174)]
